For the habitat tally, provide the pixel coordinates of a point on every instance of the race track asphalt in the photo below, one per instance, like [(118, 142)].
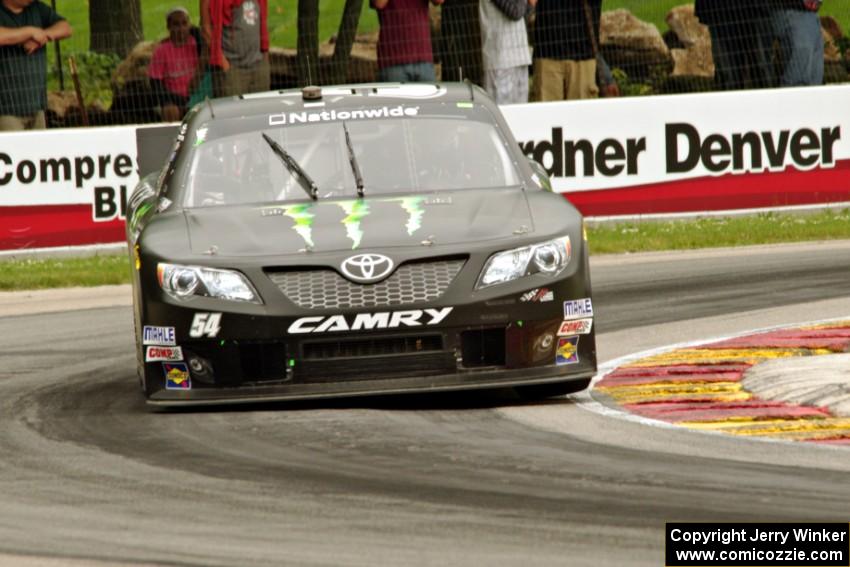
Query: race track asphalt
[(89, 474)]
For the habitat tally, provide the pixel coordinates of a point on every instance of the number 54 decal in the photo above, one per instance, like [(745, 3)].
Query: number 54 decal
[(205, 325)]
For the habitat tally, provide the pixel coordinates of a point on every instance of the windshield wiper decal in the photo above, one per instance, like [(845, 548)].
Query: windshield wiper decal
[(304, 180), (358, 178)]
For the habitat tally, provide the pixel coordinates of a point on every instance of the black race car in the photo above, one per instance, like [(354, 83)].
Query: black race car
[(365, 239)]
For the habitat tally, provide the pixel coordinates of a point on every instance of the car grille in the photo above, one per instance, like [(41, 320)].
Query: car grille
[(411, 283), (383, 346)]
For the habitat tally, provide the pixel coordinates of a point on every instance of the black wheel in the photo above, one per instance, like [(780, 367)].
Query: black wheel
[(553, 390)]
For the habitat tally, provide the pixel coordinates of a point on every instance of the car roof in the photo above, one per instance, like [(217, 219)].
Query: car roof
[(341, 96)]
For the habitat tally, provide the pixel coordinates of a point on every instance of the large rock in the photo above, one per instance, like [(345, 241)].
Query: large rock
[(693, 56), (633, 45), (832, 34), (836, 64)]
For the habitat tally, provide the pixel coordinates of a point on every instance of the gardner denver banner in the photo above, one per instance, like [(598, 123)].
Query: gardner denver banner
[(693, 153), (65, 187), (613, 157)]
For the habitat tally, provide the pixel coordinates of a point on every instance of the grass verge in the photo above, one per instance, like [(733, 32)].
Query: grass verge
[(713, 232), (769, 228), (41, 273)]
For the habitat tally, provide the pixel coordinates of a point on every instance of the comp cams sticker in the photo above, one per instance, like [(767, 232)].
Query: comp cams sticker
[(163, 354), (576, 327)]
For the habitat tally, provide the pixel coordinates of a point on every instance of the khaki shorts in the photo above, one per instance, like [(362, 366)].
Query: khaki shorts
[(238, 80), (9, 123), (556, 79)]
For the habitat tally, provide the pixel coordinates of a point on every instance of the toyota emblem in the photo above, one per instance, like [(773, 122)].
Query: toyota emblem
[(367, 268)]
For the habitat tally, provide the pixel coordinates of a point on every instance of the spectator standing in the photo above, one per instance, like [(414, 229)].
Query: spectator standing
[(238, 36), (741, 42), (797, 28), (504, 42), (564, 54), (404, 41), (174, 66), (26, 26)]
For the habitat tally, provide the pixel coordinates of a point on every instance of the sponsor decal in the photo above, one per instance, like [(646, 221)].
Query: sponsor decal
[(163, 354), (355, 212), (748, 151), (367, 267), (302, 215), (205, 325), (59, 173), (567, 352), (576, 327), (578, 309), (250, 13), (304, 117), (686, 149), (201, 135), (369, 321), (163, 336), (609, 158), (539, 295), (177, 376)]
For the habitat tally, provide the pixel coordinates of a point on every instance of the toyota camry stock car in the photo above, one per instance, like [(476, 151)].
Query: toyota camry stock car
[(355, 240)]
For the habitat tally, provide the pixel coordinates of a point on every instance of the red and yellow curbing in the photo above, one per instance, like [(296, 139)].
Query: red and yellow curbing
[(701, 387)]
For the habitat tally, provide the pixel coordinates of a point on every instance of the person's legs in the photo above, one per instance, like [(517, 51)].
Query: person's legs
[(422, 72), (505, 85), (11, 123), (726, 71), (38, 121), (801, 44), (581, 79), (260, 77), (393, 74), (229, 83), (549, 80), (761, 54)]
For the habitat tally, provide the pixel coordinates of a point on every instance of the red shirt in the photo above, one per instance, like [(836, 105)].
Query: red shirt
[(175, 65), (405, 35), (219, 16)]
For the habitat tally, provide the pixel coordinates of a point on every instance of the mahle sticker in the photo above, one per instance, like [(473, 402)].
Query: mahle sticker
[(161, 336), (576, 327), (578, 308)]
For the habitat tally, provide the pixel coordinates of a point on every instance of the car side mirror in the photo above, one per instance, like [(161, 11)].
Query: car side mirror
[(541, 176)]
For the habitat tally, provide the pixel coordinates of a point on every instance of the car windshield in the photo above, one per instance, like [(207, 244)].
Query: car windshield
[(394, 155)]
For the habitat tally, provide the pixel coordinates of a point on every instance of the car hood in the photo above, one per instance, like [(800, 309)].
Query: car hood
[(371, 222)]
